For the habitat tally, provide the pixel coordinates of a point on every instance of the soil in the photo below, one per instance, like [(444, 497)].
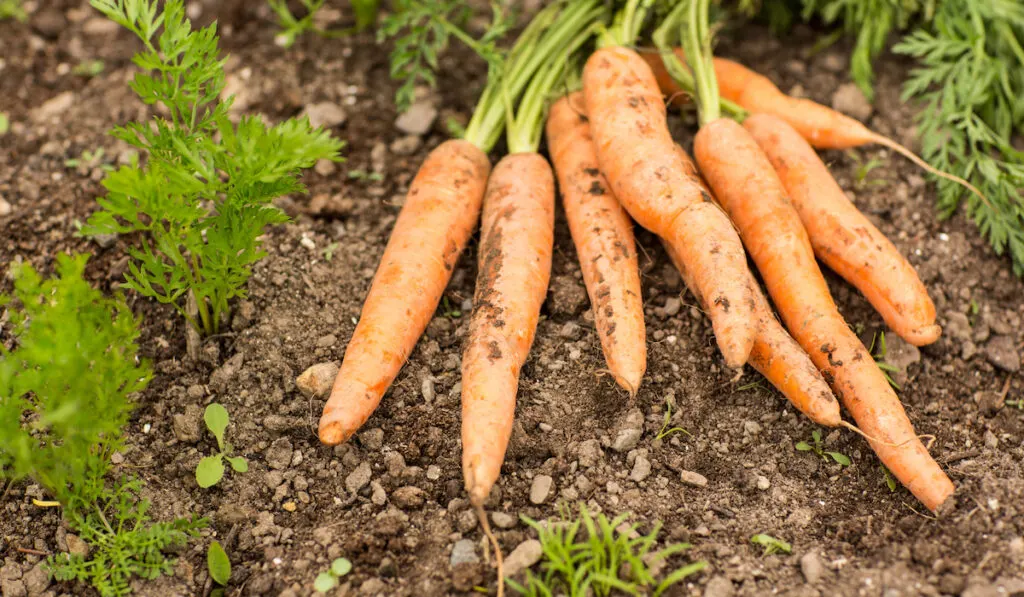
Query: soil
[(293, 512)]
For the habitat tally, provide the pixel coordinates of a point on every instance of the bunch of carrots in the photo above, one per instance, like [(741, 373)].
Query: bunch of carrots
[(757, 188)]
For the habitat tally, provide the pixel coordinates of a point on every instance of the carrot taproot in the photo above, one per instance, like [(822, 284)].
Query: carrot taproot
[(821, 126), (843, 237), (516, 244), (637, 155), (747, 186), (436, 221), (603, 234)]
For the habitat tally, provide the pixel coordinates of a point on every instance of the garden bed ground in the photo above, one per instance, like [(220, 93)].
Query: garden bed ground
[(294, 509)]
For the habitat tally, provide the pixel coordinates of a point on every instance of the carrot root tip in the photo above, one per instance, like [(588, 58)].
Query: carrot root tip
[(331, 433)]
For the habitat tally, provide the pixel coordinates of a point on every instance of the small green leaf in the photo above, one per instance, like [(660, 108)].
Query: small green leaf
[(771, 544), (804, 446), (239, 464), (5, 124), (341, 567), (218, 564), (840, 458), (210, 471), (816, 435), (216, 418), (325, 581)]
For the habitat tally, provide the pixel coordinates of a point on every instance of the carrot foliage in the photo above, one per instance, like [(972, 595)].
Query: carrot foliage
[(204, 195), (68, 368)]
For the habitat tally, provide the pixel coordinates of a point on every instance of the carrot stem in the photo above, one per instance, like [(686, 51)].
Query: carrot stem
[(697, 44)]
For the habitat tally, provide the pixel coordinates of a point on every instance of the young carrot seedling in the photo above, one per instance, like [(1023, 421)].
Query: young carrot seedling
[(818, 448), (204, 197), (771, 544), (665, 431), (211, 468), (880, 355), (325, 581)]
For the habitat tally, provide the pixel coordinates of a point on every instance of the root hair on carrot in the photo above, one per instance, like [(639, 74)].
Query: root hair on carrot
[(481, 515), (925, 436)]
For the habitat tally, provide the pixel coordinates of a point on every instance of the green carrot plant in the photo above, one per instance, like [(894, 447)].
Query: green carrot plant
[(66, 388), (210, 469), (203, 197)]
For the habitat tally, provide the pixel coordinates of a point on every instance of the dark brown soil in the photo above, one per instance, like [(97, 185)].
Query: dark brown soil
[(283, 525)]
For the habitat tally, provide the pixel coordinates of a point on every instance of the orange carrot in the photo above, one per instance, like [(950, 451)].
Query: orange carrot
[(842, 237), (744, 181), (516, 243), (639, 158), (603, 235), (780, 359), (821, 126), (437, 219)]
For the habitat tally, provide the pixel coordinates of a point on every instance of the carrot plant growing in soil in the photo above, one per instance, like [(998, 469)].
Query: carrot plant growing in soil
[(67, 377), (203, 196)]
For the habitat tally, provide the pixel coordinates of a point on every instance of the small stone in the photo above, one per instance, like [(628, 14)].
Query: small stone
[(36, 580), (427, 389), (833, 62), (989, 403), (694, 479), (849, 99), (525, 554), (763, 483), (408, 497), (811, 567), (718, 586), (1001, 352), (751, 427), (49, 23), (627, 439), (358, 478), (379, 497), (289, 506), (418, 119), (464, 552), (672, 306), (99, 26), (5, 208), (317, 380), (641, 469), (53, 107), (12, 588), (372, 439), (326, 341), (433, 472), (395, 463), (76, 546), (325, 167), (957, 326), (406, 145), (326, 114), (540, 489), (279, 454), (281, 423), (590, 453), (466, 521), (230, 513), (186, 426), (503, 520)]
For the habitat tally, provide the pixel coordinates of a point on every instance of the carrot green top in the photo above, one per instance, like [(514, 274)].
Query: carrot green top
[(627, 25)]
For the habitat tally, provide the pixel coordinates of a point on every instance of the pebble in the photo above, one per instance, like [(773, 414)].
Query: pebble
[(281, 423), (372, 439), (405, 145), (849, 99), (811, 567), (279, 454), (525, 554), (53, 107), (325, 167), (672, 306), (76, 546), (358, 478), (36, 580), (464, 552), (379, 497), (418, 119), (718, 586), (433, 472), (751, 427), (99, 26), (641, 469), (408, 497), (540, 489), (833, 62), (627, 439), (1001, 352), (590, 453), (694, 479), (317, 380), (503, 520), (5, 208), (763, 483), (957, 326), (326, 114), (330, 339), (427, 389), (49, 23), (186, 425), (466, 521), (395, 463)]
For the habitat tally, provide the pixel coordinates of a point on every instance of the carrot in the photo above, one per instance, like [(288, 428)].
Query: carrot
[(603, 234), (780, 359), (516, 243), (821, 126), (744, 181), (638, 156), (437, 219), (842, 237)]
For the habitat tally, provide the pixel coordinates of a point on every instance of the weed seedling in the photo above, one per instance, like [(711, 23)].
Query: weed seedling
[(890, 481), (879, 357), (665, 431), (219, 566), (293, 27), (1019, 403), (863, 170), (211, 468), (771, 544), (364, 175), (5, 124), (12, 9), (449, 311), (329, 251), (88, 68), (818, 448), (588, 555), (325, 581), (89, 159)]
